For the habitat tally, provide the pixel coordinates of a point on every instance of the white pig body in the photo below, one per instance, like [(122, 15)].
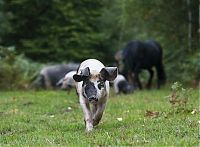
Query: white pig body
[(92, 84)]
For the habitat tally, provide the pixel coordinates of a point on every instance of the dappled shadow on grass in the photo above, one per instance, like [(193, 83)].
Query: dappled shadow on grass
[(28, 103)]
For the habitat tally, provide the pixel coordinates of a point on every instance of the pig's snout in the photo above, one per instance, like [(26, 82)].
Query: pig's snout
[(91, 92), (93, 98)]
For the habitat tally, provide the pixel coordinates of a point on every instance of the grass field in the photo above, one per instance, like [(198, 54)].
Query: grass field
[(54, 118)]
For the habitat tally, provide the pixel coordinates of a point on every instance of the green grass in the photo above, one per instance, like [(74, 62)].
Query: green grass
[(42, 118)]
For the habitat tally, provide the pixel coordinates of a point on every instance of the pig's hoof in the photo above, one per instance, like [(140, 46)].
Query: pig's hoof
[(89, 129)]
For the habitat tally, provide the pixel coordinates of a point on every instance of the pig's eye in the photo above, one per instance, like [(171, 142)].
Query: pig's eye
[(101, 85)]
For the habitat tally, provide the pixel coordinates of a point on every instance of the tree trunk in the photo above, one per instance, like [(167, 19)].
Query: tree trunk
[(199, 23), (189, 26), (122, 22)]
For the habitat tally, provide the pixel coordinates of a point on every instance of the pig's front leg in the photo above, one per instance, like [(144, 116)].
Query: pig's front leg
[(94, 109), (99, 112), (87, 115)]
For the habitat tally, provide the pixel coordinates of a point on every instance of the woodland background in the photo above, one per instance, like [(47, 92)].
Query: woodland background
[(34, 33)]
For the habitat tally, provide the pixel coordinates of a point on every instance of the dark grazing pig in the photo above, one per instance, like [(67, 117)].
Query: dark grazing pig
[(50, 75)]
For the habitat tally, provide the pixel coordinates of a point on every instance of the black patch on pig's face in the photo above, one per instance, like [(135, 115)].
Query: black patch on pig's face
[(101, 84), (89, 89), (94, 87)]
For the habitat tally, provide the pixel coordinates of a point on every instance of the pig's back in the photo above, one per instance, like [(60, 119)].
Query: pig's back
[(92, 64)]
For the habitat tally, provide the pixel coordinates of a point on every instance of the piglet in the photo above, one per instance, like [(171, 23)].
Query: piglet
[(67, 82), (92, 85), (121, 85)]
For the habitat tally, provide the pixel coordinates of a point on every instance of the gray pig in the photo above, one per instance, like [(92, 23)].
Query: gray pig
[(50, 75), (92, 85)]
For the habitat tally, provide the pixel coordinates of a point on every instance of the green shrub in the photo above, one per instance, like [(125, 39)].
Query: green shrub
[(184, 68), (16, 71), (179, 99)]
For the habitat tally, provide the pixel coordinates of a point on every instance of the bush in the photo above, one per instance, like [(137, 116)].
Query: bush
[(185, 68), (16, 71), (179, 99)]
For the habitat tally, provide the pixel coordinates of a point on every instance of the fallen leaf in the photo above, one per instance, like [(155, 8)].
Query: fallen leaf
[(119, 119), (193, 111), (52, 116), (14, 111), (151, 114)]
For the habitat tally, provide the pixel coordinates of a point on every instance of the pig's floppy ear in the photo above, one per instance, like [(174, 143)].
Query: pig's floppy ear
[(83, 75), (109, 73)]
